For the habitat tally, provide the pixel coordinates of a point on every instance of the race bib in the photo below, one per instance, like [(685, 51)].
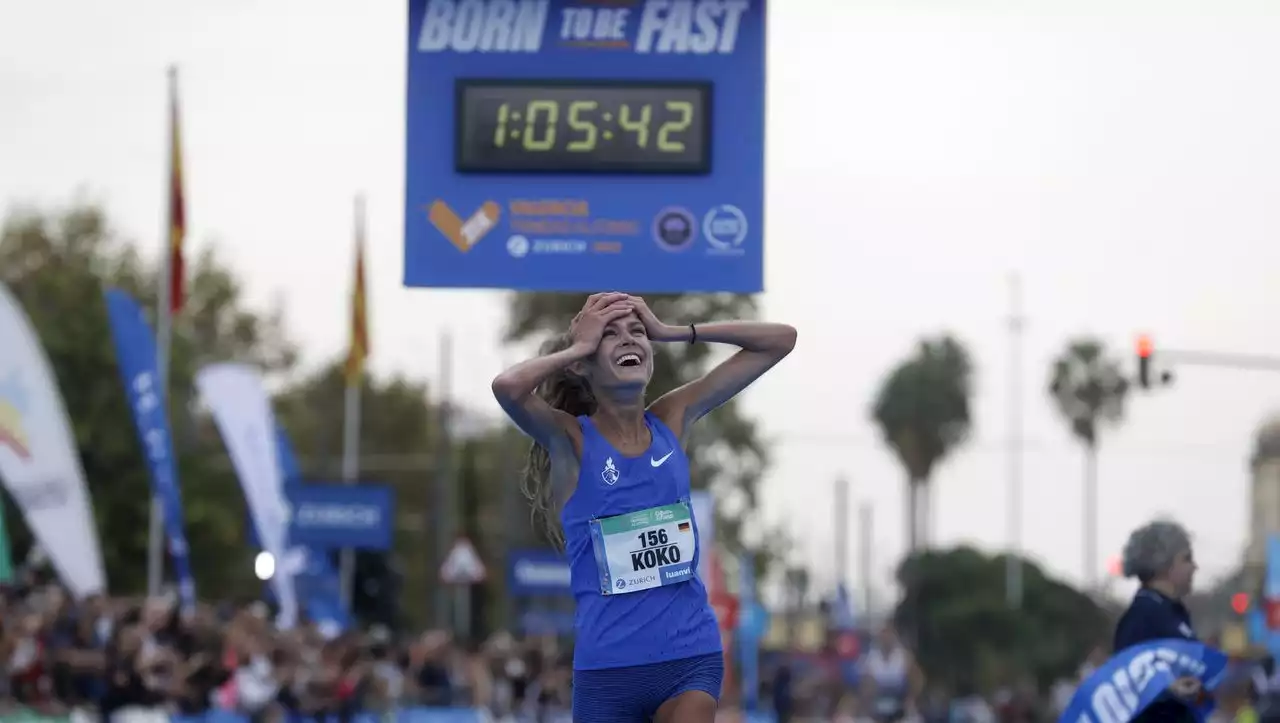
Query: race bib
[(645, 549)]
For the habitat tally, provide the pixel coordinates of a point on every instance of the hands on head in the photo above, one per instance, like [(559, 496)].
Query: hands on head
[(602, 309)]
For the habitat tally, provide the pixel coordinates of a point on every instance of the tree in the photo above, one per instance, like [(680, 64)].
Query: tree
[(725, 452), (1088, 390), (969, 640), (57, 264), (923, 413)]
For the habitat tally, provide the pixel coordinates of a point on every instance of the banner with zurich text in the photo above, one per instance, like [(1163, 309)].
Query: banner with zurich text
[(139, 370), (39, 462)]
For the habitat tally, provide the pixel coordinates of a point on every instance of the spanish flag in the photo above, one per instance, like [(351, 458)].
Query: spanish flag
[(177, 203), (359, 349)]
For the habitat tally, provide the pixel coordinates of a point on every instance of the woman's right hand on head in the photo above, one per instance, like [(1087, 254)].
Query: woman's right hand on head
[(589, 325)]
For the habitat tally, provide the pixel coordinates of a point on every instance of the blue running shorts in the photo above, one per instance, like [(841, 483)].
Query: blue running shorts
[(633, 694)]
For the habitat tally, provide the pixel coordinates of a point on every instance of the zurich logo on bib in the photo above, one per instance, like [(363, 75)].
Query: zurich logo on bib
[(1135, 677)]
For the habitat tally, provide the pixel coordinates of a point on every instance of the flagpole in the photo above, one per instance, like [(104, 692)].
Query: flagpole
[(164, 342), (1013, 562), (350, 472), (351, 419)]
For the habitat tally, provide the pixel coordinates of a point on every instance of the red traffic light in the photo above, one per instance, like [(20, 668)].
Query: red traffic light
[(1145, 347), (1240, 603)]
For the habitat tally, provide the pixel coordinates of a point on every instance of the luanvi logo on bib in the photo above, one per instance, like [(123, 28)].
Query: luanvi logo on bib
[(464, 234)]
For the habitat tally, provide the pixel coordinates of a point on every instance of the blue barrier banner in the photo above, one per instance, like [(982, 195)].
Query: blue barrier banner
[(404, 715), (558, 145), (334, 516), (1135, 677), (412, 715), (537, 571), (136, 357)]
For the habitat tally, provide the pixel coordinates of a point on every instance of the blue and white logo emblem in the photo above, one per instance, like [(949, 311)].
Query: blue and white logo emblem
[(610, 474), (518, 246), (725, 227)]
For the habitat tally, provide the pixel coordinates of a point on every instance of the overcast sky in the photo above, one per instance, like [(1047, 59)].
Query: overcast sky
[(1123, 157)]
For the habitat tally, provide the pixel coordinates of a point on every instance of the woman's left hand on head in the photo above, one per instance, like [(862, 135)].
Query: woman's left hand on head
[(656, 330)]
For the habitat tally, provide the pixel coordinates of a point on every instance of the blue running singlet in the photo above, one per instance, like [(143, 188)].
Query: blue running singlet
[(632, 545)]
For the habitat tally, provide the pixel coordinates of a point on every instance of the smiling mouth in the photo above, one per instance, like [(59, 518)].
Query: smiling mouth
[(628, 360)]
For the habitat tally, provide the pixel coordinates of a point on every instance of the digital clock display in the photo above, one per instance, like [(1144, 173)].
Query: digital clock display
[(553, 127)]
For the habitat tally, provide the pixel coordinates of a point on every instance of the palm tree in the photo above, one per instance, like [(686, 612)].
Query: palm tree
[(1088, 389), (923, 412)]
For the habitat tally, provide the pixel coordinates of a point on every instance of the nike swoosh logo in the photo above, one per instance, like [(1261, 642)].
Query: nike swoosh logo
[(658, 462)]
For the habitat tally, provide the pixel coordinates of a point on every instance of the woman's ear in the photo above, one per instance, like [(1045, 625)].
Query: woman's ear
[(578, 369)]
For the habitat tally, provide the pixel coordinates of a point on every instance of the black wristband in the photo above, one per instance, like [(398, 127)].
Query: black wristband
[(693, 334)]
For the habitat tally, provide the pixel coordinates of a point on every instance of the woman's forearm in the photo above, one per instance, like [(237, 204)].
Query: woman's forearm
[(522, 379), (750, 335)]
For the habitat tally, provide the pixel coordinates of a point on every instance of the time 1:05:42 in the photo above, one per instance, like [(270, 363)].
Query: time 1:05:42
[(540, 112)]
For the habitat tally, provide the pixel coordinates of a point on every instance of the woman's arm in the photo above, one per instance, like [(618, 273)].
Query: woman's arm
[(762, 345), (514, 389)]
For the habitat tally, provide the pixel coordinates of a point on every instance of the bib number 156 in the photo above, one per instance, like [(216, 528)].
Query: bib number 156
[(653, 538)]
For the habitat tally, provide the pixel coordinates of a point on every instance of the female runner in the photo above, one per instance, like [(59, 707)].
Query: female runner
[(647, 643)]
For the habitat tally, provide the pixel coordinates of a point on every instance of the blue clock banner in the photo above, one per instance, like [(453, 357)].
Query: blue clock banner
[(574, 145)]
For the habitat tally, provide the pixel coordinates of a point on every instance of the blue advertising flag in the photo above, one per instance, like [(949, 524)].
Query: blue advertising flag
[(136, 356), (318, 586), (1135, 677)]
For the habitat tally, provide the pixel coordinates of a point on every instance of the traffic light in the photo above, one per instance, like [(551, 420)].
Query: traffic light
[(1144, 361), (1146, 350), (1240, 603)]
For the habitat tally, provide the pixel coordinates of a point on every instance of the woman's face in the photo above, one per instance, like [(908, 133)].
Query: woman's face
[(624, 357), (1182, 571)]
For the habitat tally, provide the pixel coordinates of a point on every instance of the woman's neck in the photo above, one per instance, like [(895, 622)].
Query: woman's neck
[(624, 422), (1164, 587)]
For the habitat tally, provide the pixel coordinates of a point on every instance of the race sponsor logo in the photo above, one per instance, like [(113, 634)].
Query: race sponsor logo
[(464, 234), (674, 229), (725, 228)]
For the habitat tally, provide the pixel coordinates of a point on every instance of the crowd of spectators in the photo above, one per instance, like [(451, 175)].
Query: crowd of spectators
[(104, 656)]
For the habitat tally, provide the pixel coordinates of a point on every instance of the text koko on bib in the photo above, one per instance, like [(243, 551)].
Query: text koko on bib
[(644, 549)]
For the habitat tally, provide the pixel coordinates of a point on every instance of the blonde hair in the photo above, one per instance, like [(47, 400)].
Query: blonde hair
[(570, 393)]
